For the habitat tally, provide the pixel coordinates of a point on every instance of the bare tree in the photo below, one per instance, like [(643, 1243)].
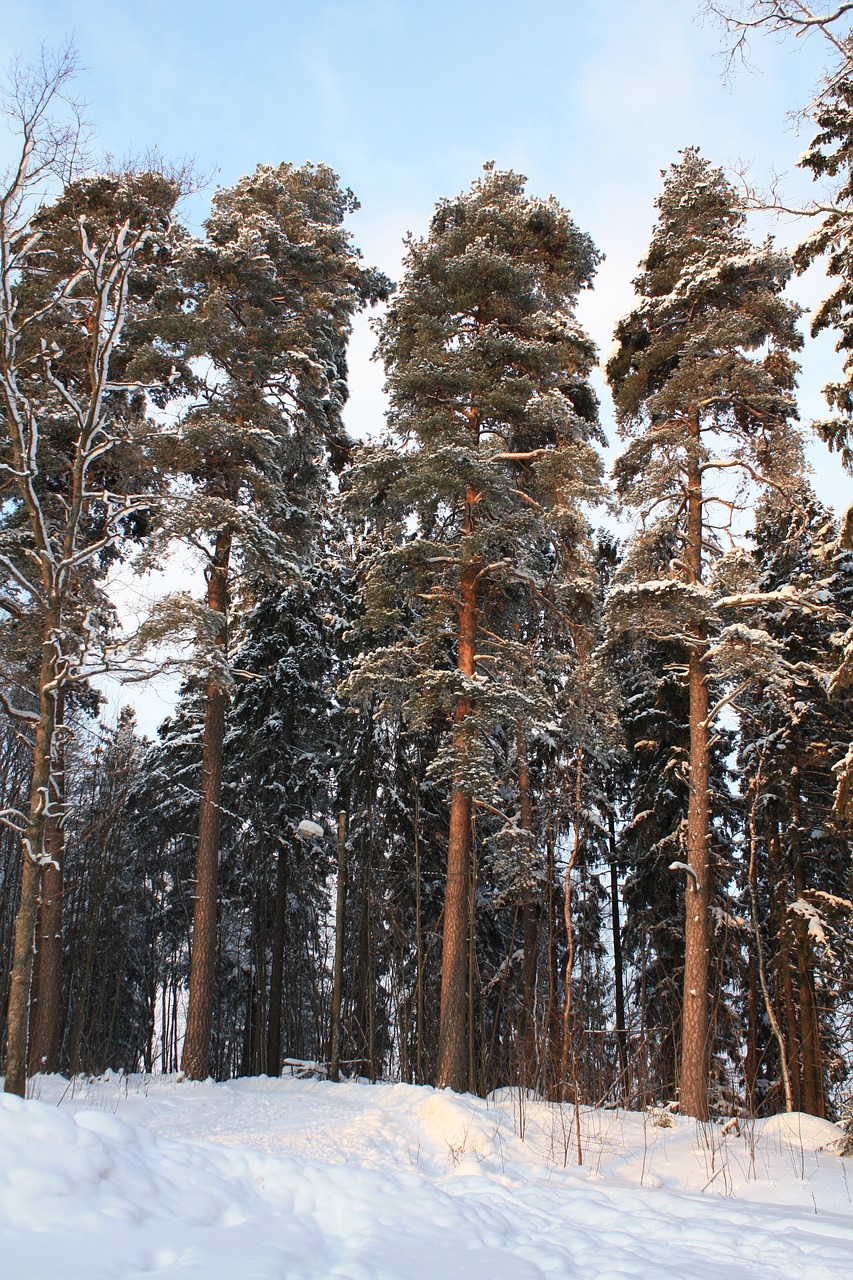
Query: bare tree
[(781, 17), (70, 411)]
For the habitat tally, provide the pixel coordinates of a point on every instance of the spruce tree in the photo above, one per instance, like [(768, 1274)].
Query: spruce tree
[(494, 423), (702, 380), (284, 749), (828, 159), (792, 734)]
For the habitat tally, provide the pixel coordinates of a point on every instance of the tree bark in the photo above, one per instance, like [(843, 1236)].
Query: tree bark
[(196, 1054), (694, 1042), (618, 969), (452, 1051), (813, 1098), (751, 1061), (419, 959), (567, 1056), (340, 928), (531, 911), (752, 877), (46, 1006), (277, 965), (472, 962), (17, 1022), (776, 877)]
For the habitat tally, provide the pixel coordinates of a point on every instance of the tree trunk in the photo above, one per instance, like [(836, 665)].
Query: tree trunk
[(472, 943), (419, 960), (17, 1022), (751, 1060), (792, 1028), (46, 1008), (277, 966), (452, 1051), (196, 1055), (567, 1056), (694, 1043), (776, 879), (531, 911), (618, 971), (813, 1099), (551, 1020), (364, 978), (340, 927), (752, 878)]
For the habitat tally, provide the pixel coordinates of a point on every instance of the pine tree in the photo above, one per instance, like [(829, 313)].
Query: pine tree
[(653, 708), (702, 380), (273, 289), (494, 423)]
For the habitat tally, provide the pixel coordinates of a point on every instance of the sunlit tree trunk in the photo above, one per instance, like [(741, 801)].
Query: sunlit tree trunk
[(694, 1036), (453, 1045), (196, 1055)]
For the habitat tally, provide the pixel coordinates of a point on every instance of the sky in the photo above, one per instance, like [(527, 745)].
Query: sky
[(406, 99)]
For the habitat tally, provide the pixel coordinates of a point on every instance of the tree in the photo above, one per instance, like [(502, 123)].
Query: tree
[(287, 729), (272, 292), (702, 380), (71, 276), (494, 423), (792, 734), (781, 17), (654, 711)]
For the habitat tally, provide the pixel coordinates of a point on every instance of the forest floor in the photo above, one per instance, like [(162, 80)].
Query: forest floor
[(304, 1180)]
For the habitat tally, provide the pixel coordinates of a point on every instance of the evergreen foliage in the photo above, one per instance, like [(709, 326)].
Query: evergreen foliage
[(477, 494), (828, 160), (592, 802), (702, 379)]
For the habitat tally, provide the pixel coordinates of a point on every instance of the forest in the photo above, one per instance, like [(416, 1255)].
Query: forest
[(461, 788)]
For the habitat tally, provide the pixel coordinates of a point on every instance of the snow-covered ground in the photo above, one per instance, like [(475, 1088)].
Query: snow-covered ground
[(303, 1179)]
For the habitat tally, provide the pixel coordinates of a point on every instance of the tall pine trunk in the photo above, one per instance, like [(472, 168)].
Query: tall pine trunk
[(196, 1055), (453, 1049), (694, 1034)]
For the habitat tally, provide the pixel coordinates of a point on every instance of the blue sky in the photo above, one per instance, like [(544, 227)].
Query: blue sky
[(407, 98)]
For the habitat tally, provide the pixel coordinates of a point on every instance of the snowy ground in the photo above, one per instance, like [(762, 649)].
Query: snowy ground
[(303, 1180)]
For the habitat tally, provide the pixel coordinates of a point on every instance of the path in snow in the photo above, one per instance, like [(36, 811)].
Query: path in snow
[(304, 1180)]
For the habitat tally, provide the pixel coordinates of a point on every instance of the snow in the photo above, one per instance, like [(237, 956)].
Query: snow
[(304, 1179), (310, 830)]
